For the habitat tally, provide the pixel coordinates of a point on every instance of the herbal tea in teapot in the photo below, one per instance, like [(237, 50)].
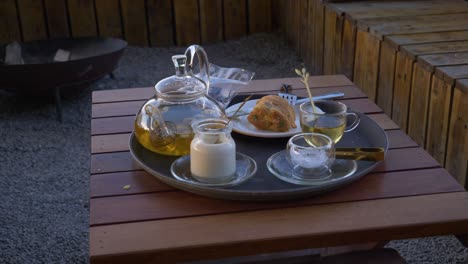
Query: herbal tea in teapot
[(163, 124)]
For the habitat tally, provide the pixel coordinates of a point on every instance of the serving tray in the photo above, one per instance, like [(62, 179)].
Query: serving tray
[(264, 186)]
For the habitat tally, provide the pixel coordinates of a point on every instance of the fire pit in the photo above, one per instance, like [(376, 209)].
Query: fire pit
[(48, 67)]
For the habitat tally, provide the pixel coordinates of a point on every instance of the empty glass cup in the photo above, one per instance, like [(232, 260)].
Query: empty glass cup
[(311, 155), (225, 83), (331, 120)]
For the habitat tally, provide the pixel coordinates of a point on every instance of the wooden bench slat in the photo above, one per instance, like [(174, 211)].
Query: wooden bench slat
[(151, 206), (131, 108), (386, 77), (267, 231), (428, 37), (124, 124), (396, 159), (119, 142), (138, 94), (112, 125), (384, 121), (9, 24), (418, 24), (419, 104), (430, 62), (399, 139), (365, 10), (438, 119), (160, 22), (82, 18), (414, 51), (33, 22), (235, 16), (57, 21), (457, 146), (112, 184), (462, 85), (452, 73), (270, 85), (211, 17), (109, 18)]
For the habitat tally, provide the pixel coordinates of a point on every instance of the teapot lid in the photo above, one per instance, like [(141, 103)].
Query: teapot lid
[(181, 85)]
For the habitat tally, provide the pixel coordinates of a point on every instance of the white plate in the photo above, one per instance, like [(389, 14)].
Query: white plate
[(242, 126)]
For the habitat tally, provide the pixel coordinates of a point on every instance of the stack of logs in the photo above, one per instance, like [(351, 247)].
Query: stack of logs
[(410, 57)]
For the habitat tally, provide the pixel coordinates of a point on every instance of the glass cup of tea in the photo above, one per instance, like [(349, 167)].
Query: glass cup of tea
[(330, 119), (311, 155)]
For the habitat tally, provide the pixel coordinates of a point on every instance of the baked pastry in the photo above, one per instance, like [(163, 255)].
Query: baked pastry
[(273, 113)]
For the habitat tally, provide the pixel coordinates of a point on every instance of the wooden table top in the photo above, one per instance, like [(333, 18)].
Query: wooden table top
[(408, 195)]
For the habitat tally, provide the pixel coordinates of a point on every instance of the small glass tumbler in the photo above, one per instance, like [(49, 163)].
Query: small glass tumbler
[(330, 120), (312, 155)]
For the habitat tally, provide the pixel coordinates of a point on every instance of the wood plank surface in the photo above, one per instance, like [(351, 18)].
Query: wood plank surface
[(124, 124), (160, 22), (366, 63), (134, 22), (269, 85), (310, 59), (112, 125), (375, 9), (402, 90), (419, 104), (438, 119), (178, 204), (187, 22), (430, 62), (33, 23), (319, 27), (266, 231), (304, 41), (414, 51), (235, 19), (57, 18), (396, 160), (384, 121), (131, 108), (386, 76), (331, 38), (130, 206), (135, 94), (418, 24), (109, 18), (452, 73), (429, 37), (9, 24), (348, 49), (82, 18), (259, 15), (113, 184), (119, 142), (211, 21), (457, 146)]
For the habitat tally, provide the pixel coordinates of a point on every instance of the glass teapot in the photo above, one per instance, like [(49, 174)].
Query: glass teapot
[(163, 124)]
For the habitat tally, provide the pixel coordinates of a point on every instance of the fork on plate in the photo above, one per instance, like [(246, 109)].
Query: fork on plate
[(292, 99)]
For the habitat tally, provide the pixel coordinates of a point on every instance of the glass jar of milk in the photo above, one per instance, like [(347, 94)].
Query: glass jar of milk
[(212, 151)]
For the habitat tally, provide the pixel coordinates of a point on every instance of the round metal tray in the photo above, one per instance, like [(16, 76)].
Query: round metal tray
[(264, 186)]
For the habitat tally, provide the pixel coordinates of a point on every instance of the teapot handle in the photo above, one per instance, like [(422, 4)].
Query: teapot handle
[(204, 74)]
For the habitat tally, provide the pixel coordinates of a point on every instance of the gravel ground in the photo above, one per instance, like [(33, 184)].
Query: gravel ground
[(44, 165)]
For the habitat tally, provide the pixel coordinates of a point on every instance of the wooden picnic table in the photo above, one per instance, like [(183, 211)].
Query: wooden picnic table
[(134, 218)]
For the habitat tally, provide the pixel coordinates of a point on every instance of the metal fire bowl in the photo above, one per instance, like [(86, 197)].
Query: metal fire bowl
[(90, 60)]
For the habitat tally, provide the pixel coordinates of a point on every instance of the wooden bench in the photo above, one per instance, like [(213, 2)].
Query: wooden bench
[(405, 55)]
